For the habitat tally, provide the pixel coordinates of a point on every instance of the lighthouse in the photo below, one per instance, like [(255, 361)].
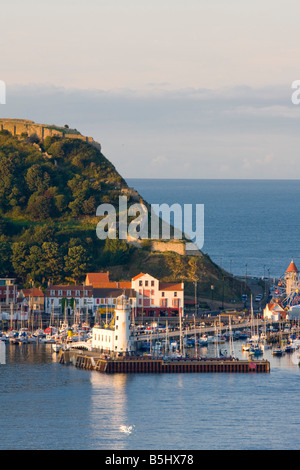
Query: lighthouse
[(116, 336)]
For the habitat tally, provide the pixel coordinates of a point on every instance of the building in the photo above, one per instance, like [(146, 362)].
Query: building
[(68, 299), (32, 300), (116, 337), (155, 298), (105, 300), (274, 311), (97, 279), (101, 280), (8, 294), (294, 313), (291, 279)]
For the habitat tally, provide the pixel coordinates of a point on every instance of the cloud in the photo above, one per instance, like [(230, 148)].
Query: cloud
[(238, 132)]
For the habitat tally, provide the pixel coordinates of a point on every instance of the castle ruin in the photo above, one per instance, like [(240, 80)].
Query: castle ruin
[(26, 127)]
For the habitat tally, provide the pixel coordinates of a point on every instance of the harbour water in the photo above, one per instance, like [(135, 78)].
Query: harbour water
[(46, 405)]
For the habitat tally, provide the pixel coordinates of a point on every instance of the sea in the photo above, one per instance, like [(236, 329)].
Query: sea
[(48, 406), (251, 227)]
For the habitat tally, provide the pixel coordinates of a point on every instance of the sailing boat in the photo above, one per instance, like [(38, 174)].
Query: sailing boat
[(255, 348), (278, 351)]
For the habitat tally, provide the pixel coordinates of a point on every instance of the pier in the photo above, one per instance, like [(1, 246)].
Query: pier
[(140, 364)]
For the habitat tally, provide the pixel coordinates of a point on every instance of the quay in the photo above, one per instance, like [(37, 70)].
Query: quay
[(140, 364)]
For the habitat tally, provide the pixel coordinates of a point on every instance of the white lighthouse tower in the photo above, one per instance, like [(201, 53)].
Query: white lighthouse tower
[(122, 341), (116, 337)]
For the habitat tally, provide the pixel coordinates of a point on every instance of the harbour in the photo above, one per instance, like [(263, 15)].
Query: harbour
[(144, 365)]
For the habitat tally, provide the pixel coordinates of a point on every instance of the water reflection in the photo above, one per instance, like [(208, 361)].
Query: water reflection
[(109, 419)]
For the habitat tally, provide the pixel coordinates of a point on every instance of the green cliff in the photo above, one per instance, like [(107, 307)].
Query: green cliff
[(49, 191)]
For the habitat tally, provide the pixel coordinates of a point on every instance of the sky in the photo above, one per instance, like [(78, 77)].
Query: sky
[(170, 88)]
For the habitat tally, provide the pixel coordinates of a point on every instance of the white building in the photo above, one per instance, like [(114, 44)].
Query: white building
[(116, 338), (60, 299), (156, 298), (274, 312)]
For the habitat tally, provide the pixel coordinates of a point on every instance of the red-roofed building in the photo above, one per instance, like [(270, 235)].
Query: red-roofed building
[(97, 279), (69, 297), (155, 298), (292, 268), (291, 278), (274, 311), (32, 300)]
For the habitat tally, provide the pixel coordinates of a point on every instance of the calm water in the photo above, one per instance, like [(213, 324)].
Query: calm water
[(45, 405), (247, 222)]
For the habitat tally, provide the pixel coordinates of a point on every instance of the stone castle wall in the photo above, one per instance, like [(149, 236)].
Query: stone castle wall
[(170, 245), (17, 127)]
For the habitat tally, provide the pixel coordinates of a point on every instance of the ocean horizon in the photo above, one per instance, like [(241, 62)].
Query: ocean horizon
[(251, 226)]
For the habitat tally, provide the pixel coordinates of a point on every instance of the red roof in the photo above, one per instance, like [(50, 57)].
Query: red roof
[(170, 286), (292, 268), (97, 278), (124, 284), (34, 292), (139, 275)]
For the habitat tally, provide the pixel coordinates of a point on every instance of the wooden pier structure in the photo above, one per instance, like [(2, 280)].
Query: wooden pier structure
[(142, 364)]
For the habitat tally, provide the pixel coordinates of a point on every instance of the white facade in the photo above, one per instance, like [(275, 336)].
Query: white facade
[(153, 294), (116, 337), (273, 312), (76, 298)]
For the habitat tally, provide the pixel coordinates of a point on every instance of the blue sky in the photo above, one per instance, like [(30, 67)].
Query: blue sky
[(192, 89)]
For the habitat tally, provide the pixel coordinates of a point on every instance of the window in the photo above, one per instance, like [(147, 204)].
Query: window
[(175, 294), (117, 327), (117, 317), (68, 293), (52, 292), (140, 283), (152, 283), (77, 293), (116, 338), (59, 293), (146, 283), (162, 294)]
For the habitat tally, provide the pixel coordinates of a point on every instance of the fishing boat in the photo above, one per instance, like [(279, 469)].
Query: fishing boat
[(255, 350)]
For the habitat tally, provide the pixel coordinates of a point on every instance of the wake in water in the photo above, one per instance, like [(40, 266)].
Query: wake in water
[(127, 429)]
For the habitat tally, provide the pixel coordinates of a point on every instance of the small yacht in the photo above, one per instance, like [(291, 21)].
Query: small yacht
[(277, 352)]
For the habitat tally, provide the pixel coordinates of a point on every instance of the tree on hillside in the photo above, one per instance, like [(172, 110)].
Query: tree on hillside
[(76, 262)]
